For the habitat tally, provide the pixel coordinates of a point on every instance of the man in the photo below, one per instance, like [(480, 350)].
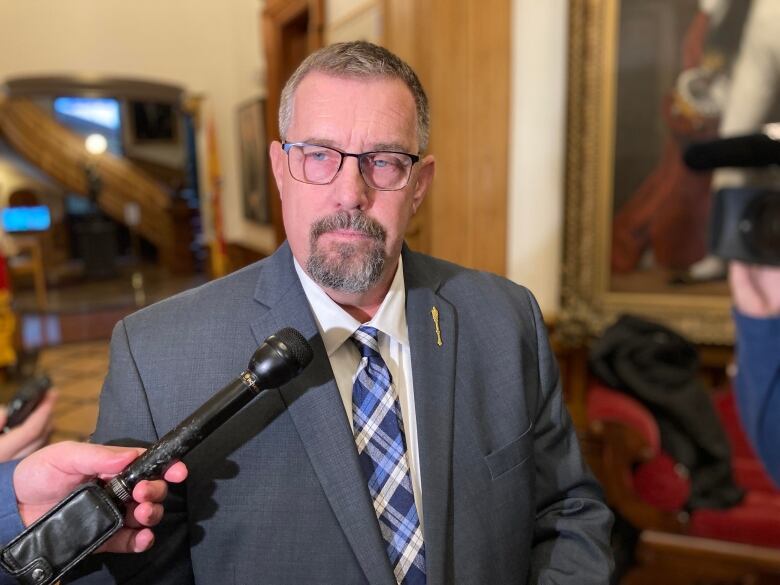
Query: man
[(427, 442), (755, 291), (30, 487)]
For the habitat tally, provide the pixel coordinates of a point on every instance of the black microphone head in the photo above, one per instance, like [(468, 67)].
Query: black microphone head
[(297, 346), (751, 150), (280, 358)]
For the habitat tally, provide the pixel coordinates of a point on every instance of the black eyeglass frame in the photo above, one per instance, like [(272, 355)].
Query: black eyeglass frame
[(286, 146)]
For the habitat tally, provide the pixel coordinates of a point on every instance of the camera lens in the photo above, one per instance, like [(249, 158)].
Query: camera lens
[(760, 227)]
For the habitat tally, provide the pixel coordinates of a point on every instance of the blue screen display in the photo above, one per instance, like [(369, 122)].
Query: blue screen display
[(101, 111), (25, 219)]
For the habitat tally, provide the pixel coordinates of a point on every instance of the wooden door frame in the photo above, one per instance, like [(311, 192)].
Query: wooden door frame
[(276, 16)]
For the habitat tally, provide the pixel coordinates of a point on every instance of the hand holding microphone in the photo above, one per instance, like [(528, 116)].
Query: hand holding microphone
[(91, 514), (42, 479), (281, 357)]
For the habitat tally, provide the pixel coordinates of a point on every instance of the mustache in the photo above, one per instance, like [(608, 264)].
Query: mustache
[(344, 220)]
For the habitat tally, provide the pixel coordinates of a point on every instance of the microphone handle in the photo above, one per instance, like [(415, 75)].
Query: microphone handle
[(187, 434)]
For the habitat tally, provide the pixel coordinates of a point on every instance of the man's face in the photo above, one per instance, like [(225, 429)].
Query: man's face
[(346, 235)]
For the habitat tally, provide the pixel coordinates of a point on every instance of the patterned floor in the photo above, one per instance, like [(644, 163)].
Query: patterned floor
[(63, 337), (77, 371)]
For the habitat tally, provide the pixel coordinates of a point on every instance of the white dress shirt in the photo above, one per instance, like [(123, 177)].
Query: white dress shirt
[(336, 326)]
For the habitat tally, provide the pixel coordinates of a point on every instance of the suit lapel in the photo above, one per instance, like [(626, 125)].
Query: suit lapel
[(433, 370), (316, 409)]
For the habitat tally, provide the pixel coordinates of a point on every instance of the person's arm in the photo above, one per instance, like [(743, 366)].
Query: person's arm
[(572, 530), (756, 294), (31, 434), (48, 475), (16, 443), (10, 522), (32, 486)]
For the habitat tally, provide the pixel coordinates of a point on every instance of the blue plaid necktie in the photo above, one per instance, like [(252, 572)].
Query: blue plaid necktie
[(376, 419)]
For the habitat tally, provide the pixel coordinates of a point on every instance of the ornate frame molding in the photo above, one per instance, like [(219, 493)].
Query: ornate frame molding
[(587, 303)]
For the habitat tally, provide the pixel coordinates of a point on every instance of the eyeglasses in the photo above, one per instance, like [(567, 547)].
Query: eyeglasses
[(319, 165)]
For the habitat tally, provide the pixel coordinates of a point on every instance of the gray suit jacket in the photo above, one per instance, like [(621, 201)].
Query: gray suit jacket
[(506, 495)]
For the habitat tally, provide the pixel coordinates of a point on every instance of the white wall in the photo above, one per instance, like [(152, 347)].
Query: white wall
[(208, 47), (213, 48), (537, 147)]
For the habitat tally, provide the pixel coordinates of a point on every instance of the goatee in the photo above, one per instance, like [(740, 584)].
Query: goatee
[(346, 266)]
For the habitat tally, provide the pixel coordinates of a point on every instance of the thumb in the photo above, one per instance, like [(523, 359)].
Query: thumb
[(90, 460), (50, 473)]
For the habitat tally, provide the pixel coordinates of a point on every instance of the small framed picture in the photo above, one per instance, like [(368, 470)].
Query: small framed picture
[(253, 154)]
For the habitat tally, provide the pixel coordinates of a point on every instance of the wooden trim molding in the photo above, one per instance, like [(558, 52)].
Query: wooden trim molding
[(285, 46), (94, 86)]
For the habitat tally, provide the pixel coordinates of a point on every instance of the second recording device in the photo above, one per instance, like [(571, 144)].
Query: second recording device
[(26, 400)]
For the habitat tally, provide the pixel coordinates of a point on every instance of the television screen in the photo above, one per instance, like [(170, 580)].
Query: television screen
[(25, 219)]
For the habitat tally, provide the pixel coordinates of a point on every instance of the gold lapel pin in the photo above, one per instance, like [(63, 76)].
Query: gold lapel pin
[(435, 316)]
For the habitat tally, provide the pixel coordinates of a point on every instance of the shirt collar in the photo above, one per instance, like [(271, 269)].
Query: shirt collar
[(336, 325)]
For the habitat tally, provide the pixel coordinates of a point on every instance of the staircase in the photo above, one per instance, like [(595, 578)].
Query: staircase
[(60, 153)]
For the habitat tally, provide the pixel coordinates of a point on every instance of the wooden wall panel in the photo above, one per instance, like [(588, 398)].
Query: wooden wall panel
[(461, 51), (401, 21)]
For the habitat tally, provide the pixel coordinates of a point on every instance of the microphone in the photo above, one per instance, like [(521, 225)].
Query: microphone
[(80, 523), (280, 358), (751, 150)]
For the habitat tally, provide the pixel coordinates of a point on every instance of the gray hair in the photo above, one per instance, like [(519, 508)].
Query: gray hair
[(357, 59)]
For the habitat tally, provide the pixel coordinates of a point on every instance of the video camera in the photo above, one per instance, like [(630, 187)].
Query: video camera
[(745, 221)]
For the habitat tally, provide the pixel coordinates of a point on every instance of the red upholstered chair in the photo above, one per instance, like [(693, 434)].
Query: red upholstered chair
[(647, 488)]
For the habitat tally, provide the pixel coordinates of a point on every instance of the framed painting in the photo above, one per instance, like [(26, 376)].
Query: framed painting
[(153, 122), (253, 151), (646, 78)]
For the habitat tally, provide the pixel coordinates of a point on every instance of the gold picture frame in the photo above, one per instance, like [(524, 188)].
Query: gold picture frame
[(590, 299)]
